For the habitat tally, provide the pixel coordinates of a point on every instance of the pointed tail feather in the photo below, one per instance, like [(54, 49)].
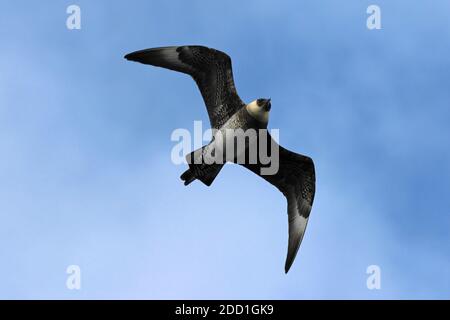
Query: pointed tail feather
[(206, 173), (187, 177)]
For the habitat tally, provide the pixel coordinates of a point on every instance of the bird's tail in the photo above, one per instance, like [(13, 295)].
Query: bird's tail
[(206, 173)]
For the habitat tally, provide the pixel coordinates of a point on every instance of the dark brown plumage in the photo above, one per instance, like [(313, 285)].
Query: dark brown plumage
[(211, 70)]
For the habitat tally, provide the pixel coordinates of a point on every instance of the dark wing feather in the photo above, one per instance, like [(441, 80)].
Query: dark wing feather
[(296, 180), (211, 70)]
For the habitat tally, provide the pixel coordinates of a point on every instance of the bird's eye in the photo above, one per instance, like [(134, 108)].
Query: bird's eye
[(260, 102)]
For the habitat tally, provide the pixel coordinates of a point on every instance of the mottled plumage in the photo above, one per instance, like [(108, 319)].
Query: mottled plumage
[(296, 179), (211, 70)]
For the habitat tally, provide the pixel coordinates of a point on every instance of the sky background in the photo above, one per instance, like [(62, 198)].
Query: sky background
[(86, 176)]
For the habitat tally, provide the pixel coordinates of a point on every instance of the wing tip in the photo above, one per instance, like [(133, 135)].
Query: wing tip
[(286, 269), (164, 57), (139, 55), (130, 56), (135, 55), (297, 228), (290, 260)]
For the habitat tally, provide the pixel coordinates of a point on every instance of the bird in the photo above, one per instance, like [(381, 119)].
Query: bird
[(211, 69)]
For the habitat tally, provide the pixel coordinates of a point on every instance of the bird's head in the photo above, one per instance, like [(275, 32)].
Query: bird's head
[(264, 104), (259, 109)]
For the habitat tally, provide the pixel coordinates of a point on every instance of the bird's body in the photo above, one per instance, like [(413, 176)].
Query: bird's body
[(230, 118), (239, 124)]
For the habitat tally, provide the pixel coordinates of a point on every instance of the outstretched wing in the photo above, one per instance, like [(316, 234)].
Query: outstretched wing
[(296, 180), (211, 70)]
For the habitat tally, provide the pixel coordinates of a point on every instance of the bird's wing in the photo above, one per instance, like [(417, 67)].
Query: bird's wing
[(211, 70), (296, 180)]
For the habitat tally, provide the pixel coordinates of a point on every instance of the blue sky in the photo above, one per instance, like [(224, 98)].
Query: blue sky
[(85, 169)]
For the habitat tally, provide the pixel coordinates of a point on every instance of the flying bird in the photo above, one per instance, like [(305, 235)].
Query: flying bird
[(211, 70)]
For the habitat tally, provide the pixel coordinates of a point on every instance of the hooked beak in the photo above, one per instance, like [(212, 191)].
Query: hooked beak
[(267, 105)]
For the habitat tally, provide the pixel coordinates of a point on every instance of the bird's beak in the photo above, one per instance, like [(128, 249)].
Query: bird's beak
[(268, 105)]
